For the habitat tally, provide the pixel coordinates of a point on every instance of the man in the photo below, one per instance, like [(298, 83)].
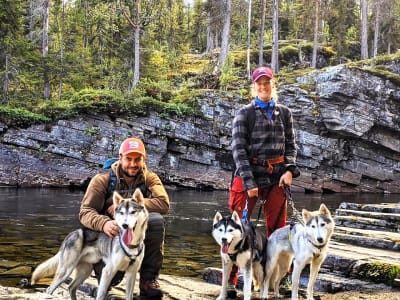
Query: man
[(97, 211)]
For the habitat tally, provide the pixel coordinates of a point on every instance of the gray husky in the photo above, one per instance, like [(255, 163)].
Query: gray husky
[(83, 248), (303, 245), (243, 245)]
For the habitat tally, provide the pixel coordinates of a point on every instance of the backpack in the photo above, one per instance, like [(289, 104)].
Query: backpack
[(112, 181)]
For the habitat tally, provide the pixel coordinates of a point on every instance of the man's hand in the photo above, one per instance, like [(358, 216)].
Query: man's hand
[(286, 178), (111, 228)]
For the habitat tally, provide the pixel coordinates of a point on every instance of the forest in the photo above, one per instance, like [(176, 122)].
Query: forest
[(59, 58)]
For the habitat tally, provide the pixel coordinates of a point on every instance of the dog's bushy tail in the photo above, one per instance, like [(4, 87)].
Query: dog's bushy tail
[(45, 269)]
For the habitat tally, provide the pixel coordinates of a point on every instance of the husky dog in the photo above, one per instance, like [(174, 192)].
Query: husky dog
[(306, 244), (82, 248), (243, 245)]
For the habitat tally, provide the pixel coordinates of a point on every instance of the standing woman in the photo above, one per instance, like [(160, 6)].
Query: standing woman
[(264, 151)]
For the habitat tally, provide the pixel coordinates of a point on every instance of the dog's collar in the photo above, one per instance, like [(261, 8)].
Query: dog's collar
[(319, 247), (131, 257)]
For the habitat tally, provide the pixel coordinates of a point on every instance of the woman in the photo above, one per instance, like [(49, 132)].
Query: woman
[(264, 152)]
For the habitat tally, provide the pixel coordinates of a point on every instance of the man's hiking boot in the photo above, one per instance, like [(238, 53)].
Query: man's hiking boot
[(150, 288)]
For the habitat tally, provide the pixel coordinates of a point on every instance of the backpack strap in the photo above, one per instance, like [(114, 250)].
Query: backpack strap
[(112, 182), (282, 114)]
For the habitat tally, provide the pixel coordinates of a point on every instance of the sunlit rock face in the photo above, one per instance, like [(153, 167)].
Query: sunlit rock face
[(347, 124)]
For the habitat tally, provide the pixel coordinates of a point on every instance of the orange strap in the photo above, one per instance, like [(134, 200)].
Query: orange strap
[(269, 163)]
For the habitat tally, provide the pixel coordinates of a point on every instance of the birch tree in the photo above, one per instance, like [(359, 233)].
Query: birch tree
[(275, 37), (262, 32), (316, 33), (135, 23), (136, 47), (45, 48), (249, 40), (364, 29), (376, 27), (225, 36)]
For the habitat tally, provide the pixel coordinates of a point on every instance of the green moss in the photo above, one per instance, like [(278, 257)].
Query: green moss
[(379, 272), (379, 66)]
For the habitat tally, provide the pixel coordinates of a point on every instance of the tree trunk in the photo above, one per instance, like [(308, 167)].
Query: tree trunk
[(210, 41), (364, 29), (60, 84), (262, 31), (316, 33), (6, 82), (136, 71), (275, 37), (225, 37), (249, 40), (45, 48), (86, 32), (376, 27)]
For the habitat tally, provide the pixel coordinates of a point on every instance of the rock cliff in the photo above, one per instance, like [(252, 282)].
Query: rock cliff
[(347, 122)]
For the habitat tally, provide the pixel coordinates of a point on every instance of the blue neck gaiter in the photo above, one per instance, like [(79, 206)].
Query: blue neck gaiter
[(267, 107)]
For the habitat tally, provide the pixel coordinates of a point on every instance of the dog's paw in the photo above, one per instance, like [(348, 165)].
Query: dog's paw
[(221, 297)]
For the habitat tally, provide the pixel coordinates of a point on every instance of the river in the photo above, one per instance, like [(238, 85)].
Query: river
[(33, 223)]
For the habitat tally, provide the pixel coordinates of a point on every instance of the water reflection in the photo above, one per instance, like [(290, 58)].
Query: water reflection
[(33, 223)]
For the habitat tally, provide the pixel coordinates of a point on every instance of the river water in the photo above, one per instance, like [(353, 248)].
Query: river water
[(33, 223)]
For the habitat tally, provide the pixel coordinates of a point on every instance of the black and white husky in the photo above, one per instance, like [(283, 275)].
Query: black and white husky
[(123, 253), (243, 245), (302, 244)]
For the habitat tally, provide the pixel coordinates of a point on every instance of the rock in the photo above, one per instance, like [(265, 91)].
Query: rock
[(347, 141)]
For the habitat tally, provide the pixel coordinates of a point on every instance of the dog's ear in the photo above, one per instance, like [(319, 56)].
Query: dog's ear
[(217, 217), (236, 217), (323, 210), (306, 215), (117, 198), (138, 196)]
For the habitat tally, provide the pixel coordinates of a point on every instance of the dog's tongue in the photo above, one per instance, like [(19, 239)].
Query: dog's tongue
[(225, 248), (127, 237)]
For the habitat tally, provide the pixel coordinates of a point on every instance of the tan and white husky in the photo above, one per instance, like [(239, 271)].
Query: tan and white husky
[(302, 245)]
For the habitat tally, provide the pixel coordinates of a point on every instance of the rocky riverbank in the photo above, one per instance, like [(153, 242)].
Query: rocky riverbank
[(363, 263), (186, 288)]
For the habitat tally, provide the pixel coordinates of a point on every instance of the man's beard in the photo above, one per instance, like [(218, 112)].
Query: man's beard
[(127, 174)]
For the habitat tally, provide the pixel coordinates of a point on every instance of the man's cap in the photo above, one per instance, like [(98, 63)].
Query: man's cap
[(262, 71), (132, 145)]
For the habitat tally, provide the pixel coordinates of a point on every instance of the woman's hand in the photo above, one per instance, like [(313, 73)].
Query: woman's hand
[(286, 178), (252, 193)]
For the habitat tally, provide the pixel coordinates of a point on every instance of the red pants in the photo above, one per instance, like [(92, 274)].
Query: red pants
[(275, 209), (275, 206)]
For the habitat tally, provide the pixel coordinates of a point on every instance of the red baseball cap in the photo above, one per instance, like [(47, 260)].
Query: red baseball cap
[(132, 145), (262, 71)]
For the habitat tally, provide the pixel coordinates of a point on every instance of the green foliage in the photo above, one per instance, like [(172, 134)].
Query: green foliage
[(20, 117), (160, 90), (228, 76)]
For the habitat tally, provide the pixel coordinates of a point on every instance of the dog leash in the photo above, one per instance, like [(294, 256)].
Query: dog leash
[(245, 220), (296, 216)]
